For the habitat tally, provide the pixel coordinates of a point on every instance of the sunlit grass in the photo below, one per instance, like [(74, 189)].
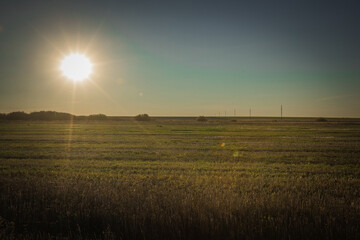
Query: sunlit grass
[(295, 181)]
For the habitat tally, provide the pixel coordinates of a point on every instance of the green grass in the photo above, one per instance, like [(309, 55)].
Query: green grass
[(175, 178)]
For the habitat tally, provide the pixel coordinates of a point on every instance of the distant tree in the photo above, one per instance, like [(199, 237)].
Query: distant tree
[(80, 118), (201, 119), (17, 116), (321, 119), (98, 117), (2, 116), (142, 117), (50, 115)]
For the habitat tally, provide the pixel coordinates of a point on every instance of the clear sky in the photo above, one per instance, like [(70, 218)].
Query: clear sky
[(183, 58)]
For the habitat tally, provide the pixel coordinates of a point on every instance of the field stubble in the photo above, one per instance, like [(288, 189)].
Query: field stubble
[(179, 179)]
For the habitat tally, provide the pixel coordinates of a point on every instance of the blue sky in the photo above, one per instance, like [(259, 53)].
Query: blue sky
[(183, 58)]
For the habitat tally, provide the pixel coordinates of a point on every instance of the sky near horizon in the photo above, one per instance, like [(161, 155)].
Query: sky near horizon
[(183, 58)]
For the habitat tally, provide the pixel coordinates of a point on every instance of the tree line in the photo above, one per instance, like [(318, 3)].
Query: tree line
[(48, 116)]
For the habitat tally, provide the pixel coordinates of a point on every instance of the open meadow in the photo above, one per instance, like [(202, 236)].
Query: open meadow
[(176, 178)]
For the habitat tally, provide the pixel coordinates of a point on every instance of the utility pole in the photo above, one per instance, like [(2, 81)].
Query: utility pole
[(225, 113), (250, 112), (281, 110), (234, 112)]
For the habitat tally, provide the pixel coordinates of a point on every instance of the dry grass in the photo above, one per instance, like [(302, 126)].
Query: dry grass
[(180, 181)]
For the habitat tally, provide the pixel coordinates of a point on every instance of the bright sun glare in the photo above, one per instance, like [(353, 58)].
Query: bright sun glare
[(76, 67)]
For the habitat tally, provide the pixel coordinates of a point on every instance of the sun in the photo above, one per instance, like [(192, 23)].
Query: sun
[(76, 67)]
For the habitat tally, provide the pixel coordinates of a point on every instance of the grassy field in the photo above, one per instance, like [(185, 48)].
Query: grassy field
[(175, 178)]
